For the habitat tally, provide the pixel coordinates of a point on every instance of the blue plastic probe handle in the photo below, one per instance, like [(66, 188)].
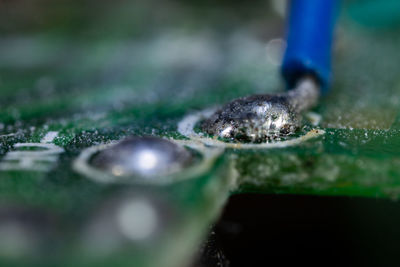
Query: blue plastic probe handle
[(309, 41)]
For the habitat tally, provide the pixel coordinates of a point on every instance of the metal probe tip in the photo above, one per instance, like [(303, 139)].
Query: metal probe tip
[(261, 118)]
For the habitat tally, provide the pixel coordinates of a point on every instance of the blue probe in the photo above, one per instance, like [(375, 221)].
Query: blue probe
[(306, 69), (309, 41)]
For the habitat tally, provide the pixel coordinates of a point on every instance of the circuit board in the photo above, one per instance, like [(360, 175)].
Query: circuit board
[(77, 78)]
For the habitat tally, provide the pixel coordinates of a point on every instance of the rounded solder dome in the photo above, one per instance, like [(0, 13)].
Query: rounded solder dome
[(143, 156), (260, 118), (257, 118)]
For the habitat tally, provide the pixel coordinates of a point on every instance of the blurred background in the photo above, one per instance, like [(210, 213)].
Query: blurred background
[(95, 65)]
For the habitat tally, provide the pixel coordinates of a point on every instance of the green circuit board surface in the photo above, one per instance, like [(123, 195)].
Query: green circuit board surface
[(77, 76)]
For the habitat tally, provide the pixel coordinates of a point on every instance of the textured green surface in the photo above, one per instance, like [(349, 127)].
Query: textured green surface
[(97, 72)]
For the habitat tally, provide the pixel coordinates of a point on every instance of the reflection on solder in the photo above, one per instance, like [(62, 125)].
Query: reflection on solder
[(261, 118), (143, 156), (147, 159)]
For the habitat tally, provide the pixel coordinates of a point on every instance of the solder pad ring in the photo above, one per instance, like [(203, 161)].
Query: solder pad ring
[(187, 124), (209, 157)]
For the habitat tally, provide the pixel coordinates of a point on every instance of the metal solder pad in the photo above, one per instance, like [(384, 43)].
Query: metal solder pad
[(261, 118), (256, 119)]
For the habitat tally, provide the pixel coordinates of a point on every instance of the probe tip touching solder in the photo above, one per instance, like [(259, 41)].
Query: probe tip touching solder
[(260, 118)]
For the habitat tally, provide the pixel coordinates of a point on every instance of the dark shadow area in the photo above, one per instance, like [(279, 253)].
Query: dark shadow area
[(270, 230)]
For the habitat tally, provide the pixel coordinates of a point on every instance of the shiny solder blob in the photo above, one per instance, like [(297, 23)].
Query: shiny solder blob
[(143, 156), (261, 118)]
